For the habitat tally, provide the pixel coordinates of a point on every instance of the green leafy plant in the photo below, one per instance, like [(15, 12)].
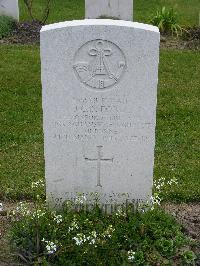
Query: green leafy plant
[(166, 21), (77, 236), (7, 25), (189, 257)]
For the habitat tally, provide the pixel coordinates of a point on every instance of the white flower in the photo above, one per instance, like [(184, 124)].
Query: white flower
[(1, 207), (91, 241), (39, 183), (50, 246), (79, 239), (81, 199), (23, 209), (92, 238), (73, 226), (131, 255), (94, 234), (108, 232), (172, 181), (38, 214), (155, 200), (120, 213), (58, 219), (158, 184)]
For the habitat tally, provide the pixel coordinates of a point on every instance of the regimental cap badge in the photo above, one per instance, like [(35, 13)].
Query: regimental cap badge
[(99, 64)]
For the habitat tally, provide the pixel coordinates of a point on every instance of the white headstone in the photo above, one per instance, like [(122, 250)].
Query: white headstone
[(9, 8), (99, 81), (121, 9)]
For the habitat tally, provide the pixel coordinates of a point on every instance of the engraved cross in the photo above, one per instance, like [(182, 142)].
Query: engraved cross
[(99, 159)]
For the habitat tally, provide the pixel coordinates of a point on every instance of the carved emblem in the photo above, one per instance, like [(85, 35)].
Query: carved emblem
[(99, 64)]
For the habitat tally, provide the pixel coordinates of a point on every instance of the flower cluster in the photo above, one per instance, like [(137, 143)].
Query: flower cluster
[(108, 232), (80, 199), (38, 214), (92, 238), (155, 200), (131, 255), (37, 184), (120, 213), (160, 183), (73, 225), (87, 222), (51, 247), (81, 238), (23, 208), (173, 181), (58, 218)]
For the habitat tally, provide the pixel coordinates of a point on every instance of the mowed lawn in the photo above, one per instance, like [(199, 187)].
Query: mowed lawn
[(21, 138), (61, 10)]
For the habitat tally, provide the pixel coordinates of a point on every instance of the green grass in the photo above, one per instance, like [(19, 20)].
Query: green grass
[(21, 139), (61, 10), (188, 10), (21, 142), (7, 25), (178, 127)]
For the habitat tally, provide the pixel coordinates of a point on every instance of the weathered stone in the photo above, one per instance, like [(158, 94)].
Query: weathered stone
[(9, 8), (120, 9), (99, 82)]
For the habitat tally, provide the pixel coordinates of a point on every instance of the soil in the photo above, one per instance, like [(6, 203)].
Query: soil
[(7, 258), (29, 33), (180, 43), (24, 33), (188, 215)]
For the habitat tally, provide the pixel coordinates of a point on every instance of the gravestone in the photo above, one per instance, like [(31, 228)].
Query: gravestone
[(9, 8), (99, 81), (121, 9)]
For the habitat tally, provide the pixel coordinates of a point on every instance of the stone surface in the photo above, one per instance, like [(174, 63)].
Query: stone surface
[(9, 8), (121, 9), (99, 82)]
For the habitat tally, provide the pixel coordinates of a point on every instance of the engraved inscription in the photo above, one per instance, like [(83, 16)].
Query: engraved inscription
[(99, 64), (105, 118), (99, 159)]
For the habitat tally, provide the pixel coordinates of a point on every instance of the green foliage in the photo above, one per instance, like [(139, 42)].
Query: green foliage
[(70, 237), (188, 10), (166, 21), (189, 257), (7, 25), (74, 9), (177, 130)]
